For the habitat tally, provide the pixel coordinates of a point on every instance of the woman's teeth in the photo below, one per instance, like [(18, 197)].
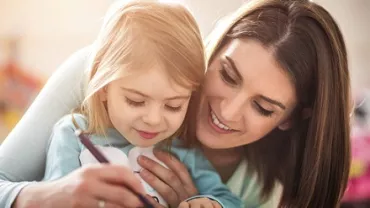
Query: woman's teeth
[(218, 123)]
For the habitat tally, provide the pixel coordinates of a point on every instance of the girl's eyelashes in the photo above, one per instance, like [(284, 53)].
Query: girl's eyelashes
[(173, 109), (134, 103), (142, 103)]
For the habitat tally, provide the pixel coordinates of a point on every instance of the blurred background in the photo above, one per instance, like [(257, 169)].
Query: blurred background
[(36, 36)]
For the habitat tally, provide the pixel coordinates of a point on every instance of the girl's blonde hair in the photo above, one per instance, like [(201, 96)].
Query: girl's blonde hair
[(135, 36)]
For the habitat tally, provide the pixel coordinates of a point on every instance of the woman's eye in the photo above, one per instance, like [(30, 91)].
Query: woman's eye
[(226, 76), (173, 109), (135, 103), (263, 111)]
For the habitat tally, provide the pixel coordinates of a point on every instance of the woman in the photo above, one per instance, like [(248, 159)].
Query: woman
[(274, 120)]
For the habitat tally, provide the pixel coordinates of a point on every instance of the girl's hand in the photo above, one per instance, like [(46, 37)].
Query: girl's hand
[(154, 202), (174, 184)]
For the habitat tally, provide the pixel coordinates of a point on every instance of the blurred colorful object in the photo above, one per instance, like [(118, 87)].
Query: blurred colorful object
[(359, 183), (17, 89), (358, 168), (358, 188)]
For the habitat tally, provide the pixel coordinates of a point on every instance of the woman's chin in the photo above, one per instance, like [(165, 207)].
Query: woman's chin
[(209, 136), (209, 140)]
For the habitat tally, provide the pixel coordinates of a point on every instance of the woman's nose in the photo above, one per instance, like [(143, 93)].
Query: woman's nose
[(232, 109)]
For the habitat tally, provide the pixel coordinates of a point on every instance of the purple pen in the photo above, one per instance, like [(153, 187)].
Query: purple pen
[(100, 157)]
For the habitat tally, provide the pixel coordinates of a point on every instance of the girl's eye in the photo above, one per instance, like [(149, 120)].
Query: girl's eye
[(173, 109), (135, 103)]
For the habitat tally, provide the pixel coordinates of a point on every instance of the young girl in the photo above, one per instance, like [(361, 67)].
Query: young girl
[(147, 64)]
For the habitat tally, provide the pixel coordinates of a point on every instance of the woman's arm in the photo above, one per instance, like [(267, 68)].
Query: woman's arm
[(23, 153), (63, 160)]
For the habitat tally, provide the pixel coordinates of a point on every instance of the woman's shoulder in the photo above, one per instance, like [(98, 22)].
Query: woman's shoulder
[(246, 185)]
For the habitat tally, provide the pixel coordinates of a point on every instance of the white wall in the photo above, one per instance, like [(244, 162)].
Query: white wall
[(353, 17), (52, 30), (207, 12)]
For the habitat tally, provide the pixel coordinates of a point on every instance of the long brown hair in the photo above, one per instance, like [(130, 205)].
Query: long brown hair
[(311, 160)]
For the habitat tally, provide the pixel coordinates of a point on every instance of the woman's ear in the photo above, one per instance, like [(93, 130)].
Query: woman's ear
[(306, 113), (287, 124)]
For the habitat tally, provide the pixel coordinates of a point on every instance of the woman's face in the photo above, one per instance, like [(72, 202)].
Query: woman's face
[(246, 95)]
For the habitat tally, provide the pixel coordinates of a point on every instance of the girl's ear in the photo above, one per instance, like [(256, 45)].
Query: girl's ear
[(103, 94)]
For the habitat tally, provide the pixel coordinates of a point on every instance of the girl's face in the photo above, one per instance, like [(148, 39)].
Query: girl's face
[(147, 107), (246, 94)]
